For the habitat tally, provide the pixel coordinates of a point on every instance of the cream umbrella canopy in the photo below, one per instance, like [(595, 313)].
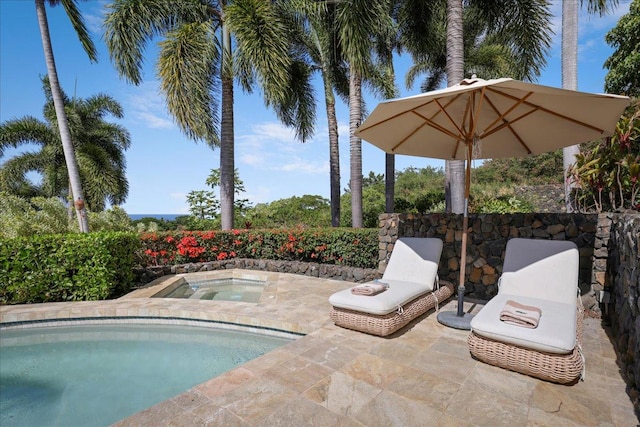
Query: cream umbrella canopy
[(486, 119)]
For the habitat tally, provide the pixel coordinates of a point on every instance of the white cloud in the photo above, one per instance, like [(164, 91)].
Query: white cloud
[(146, 105), (302, 165), (271, 146), (273, 131), (260, 194), (251, 159), (153, 121), (93, 15)]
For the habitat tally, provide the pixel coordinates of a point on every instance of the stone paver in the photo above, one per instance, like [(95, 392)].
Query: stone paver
[(422, 375)]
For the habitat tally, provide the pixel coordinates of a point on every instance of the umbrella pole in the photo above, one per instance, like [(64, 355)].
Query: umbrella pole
[(465, 228), (460, 319)]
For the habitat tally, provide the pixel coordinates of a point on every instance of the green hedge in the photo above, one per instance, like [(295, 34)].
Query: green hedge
[(351, 247), (68, 267)]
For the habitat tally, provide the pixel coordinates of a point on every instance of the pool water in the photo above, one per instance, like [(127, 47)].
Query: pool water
[(232, 289), (97, 375)]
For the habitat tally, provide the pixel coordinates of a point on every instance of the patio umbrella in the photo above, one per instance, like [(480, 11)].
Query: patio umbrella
[(487, 119)]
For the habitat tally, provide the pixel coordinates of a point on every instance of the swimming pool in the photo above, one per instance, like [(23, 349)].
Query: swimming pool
[(96, 375), (225, 289)]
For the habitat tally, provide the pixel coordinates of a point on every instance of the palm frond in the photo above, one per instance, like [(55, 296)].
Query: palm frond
[(26, 130), (187, 69), (298, 109), (130, 24), (262, 36), (77, 22)]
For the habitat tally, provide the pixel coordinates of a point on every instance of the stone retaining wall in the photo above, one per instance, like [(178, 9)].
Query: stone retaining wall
[(623, 290), (544, 198), (487, 239), (326, 271)]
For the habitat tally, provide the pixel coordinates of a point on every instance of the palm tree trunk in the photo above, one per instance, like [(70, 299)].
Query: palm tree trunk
[(390, 182), (334, 153), (227, 161), (355, 145), (454, 169), (569, 81), (65, 135)]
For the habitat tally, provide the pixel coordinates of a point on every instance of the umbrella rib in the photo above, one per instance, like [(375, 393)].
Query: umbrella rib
[(507, 123), (395, 147), (546, 110), (501, 116), (361, 129), (434, 125), (446, 113)]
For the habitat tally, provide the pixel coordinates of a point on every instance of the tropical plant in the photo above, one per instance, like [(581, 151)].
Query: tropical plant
[(203, 204), (570, 73), (21, 217), (623, 64), (607, 172), (198, 61), (112, 219), (77, 21), (98, 146)]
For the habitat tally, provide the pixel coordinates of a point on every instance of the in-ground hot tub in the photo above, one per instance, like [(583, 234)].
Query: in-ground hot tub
[(225, 289), (219, 285)]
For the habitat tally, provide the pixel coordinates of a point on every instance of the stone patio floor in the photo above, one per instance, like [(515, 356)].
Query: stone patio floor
[(422, 375)]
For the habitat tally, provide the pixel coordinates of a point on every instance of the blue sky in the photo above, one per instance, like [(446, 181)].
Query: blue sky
[(163, 165)]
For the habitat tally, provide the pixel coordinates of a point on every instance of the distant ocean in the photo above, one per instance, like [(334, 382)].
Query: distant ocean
[(168, 217)]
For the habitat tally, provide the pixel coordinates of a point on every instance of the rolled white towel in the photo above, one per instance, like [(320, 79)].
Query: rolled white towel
[(369, 289), (518, 314)]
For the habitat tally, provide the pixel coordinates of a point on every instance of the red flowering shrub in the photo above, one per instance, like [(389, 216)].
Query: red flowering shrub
[(355, 247)]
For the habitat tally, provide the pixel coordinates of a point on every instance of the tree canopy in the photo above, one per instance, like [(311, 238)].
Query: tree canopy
[(624, 64)]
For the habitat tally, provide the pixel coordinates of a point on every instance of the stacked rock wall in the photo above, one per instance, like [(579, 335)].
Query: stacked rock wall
[(325, 271), (623, 285), (487, 239)]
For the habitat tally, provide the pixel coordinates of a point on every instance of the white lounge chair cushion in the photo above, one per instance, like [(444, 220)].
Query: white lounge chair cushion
[(543, 269), (398, 294), (414, 259), (556, 331)]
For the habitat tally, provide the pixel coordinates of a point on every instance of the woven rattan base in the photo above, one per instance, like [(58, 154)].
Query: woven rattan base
[(557, 368), (383, 325)]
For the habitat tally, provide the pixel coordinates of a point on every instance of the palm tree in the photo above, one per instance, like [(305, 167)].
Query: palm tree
[(317, 40), (365, 29), (570, 11), (75, 17), (198, 62), (454, 182), (499, 38), (99, 147)]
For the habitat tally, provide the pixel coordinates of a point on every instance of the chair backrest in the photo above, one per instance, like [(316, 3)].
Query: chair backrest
[(543, 269), (414, 259)]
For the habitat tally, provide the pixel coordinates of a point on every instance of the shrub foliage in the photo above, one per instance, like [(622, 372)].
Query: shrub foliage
[(353, 247), (69, 267)]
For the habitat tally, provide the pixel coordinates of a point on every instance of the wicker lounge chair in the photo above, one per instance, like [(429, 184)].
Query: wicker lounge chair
[(542, 274), (413, 289)]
